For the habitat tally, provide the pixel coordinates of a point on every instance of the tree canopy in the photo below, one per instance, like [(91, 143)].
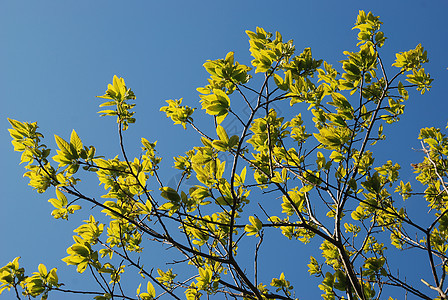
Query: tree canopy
[(301, 164)]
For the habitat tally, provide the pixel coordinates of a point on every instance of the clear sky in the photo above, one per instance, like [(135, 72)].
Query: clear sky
[(56, 56)]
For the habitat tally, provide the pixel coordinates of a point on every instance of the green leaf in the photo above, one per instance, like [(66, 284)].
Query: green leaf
[(72, 208), (336, 156), (224, 201), (222, 134), (80, 250), (255, 226), (229, 58), (62, 144), (313, 267), (53, 277), (56, 202), (61, 197), (76, 141), (42, 270), (373, 183), (333, 137), (151, 290), (170, 194), (234, 140), (220, 145)]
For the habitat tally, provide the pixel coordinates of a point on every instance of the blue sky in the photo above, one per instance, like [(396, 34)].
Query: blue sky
[(56, 56)]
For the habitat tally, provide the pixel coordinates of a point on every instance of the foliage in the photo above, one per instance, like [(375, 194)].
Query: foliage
[(316, 182)]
